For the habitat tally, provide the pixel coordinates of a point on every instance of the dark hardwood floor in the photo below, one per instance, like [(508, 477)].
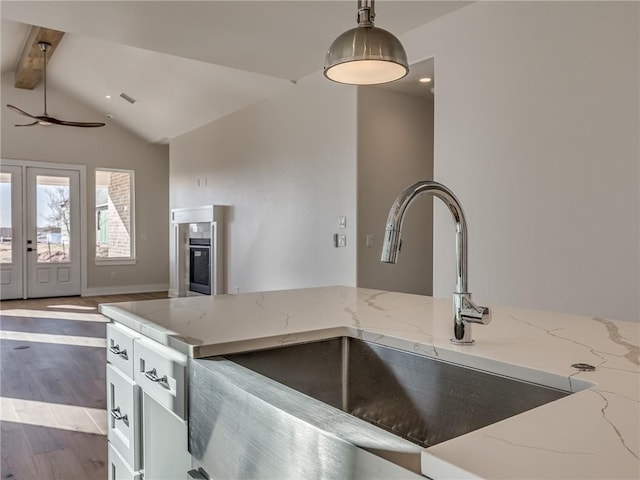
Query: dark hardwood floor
[(52, 387)]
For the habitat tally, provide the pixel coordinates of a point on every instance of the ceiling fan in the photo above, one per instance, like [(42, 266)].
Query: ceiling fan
[(45, 118)]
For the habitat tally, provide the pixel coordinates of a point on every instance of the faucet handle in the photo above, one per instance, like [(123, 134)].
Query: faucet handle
[(472, 313)]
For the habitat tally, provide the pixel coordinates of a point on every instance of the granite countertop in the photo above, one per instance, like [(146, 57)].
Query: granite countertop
[(594, 433)]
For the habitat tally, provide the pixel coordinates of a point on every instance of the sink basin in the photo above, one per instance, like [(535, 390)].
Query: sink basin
[(422, 399)]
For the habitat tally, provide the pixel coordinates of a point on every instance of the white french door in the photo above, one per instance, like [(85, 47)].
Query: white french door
[(45, 255), (11, 243), (53, 232)]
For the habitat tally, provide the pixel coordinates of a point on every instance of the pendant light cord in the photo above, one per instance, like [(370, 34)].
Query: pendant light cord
[(366, 13)]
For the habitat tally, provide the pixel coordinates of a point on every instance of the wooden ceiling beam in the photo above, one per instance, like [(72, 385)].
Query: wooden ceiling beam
[(31, 64)]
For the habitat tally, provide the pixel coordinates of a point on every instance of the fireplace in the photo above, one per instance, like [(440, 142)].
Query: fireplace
[(197, 251)]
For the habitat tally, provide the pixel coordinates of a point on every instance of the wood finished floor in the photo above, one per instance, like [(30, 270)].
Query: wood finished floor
[(52, 387)]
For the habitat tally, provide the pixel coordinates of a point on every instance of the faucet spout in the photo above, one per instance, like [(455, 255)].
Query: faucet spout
[(466, 312)]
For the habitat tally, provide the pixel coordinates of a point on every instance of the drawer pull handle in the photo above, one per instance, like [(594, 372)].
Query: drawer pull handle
[(122, 353), (115, 413), (153, 376), (200, 474)]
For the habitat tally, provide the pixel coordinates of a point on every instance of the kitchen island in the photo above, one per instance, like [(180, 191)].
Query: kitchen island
[(593, 433)]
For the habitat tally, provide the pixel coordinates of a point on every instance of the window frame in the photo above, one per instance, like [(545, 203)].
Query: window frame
[(131, 259)]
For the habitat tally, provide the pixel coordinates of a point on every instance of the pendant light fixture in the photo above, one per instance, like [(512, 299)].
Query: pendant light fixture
[(366, 55)]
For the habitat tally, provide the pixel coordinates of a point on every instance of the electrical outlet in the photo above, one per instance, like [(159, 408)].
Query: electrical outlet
[(342, 222), (201, 182)]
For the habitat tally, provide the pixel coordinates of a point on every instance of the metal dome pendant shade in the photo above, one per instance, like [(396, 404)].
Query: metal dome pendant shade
[(366, 55)]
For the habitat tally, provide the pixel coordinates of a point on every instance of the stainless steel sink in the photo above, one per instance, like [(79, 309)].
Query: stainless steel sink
[(421, 399)]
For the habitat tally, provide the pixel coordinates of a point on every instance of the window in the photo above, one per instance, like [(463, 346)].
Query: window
[(115, 238)]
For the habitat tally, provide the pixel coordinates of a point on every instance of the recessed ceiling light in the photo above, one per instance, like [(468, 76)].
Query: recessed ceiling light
[(108, 97), (425, 80)]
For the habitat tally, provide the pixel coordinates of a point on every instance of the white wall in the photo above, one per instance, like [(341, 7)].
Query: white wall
[(287, 169), (110, 147), (395, 149), (537, 131)]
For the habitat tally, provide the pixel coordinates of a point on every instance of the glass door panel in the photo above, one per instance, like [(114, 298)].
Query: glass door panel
[(53, 217), (6, 223)]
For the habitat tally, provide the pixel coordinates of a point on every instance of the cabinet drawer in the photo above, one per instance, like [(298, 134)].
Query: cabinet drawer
[(161, 373), (118, 468), (120, 347), (123, 408)]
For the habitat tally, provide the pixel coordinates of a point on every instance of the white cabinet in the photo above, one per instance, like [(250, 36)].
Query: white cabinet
[(165, 442), (118, 467), (160, 371), (120, 347), (123, 407), (147, 408)]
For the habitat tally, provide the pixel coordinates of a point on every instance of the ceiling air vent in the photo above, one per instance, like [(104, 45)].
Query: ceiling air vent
[(127, 98)]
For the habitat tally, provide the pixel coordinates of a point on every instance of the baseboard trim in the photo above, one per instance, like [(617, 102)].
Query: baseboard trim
[(125, 289)]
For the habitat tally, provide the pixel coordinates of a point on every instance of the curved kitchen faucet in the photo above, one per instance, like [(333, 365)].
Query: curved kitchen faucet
[(466, 312)]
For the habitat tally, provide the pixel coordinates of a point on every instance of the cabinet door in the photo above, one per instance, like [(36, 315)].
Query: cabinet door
[(118, 468), (166, 454), (123, 405)]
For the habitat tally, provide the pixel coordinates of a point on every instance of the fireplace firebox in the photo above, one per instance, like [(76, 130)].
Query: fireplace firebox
[(199, 265)]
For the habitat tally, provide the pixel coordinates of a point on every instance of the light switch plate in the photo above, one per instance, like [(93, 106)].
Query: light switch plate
[(339, 240), (369, 240), (342, 222)]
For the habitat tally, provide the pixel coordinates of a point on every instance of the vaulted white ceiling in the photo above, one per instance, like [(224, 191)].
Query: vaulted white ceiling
[(187, 63)]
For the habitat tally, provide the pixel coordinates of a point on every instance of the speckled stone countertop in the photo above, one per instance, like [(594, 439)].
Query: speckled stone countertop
[(594, 433)]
